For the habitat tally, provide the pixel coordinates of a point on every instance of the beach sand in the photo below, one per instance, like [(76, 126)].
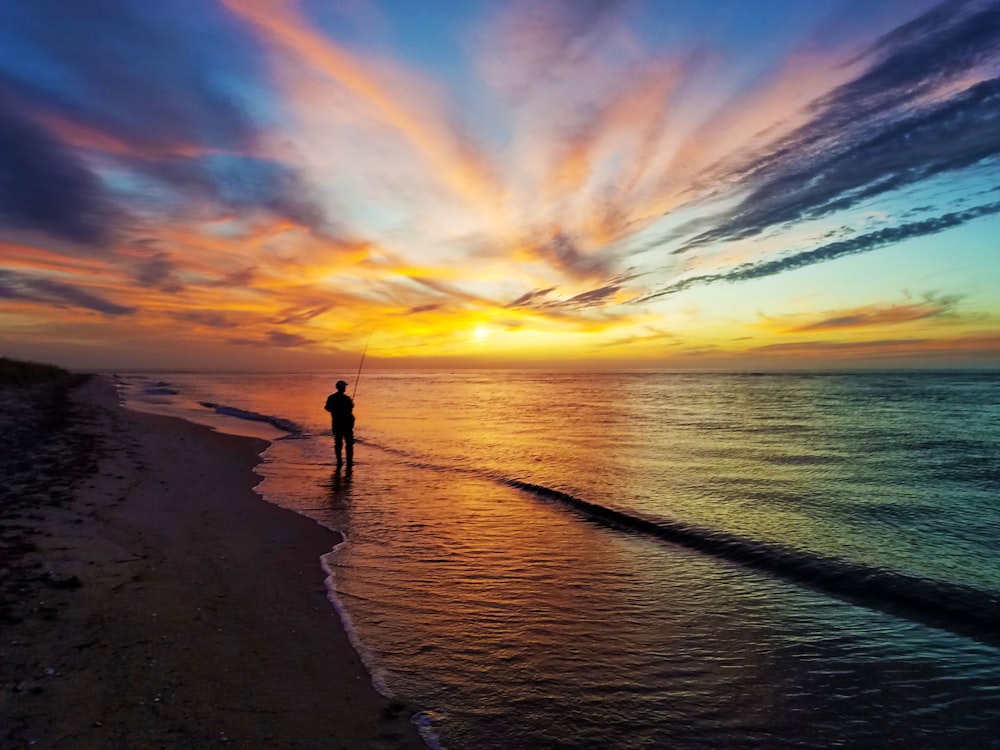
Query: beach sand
[(150, 599)]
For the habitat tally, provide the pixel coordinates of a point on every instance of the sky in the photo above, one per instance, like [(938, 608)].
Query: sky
[(720, 184)]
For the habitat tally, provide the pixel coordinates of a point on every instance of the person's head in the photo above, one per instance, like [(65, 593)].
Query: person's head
[(341, 385)]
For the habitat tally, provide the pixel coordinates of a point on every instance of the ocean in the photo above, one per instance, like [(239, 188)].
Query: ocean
[(650, 559)]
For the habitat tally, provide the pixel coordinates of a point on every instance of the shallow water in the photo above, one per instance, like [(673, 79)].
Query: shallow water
[(656, 560)]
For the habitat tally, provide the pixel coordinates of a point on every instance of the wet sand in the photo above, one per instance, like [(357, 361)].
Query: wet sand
[(150, 599)]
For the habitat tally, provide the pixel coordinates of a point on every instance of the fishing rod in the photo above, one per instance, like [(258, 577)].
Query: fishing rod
[(362, 364)]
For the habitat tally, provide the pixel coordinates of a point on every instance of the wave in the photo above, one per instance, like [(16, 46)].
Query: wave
[(286, 425), (963, 610), (160, 388), (159, 391)]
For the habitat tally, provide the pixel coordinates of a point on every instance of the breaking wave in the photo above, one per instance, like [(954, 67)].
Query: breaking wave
[(286, 425), (971, 612)]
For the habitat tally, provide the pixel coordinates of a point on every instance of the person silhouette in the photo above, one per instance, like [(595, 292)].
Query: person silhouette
[(341, 409)]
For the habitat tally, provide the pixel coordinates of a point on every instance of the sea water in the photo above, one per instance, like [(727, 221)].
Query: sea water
[(652, 560)]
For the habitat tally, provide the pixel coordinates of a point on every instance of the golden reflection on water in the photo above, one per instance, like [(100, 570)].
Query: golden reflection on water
[(781, 459), (524, 600)]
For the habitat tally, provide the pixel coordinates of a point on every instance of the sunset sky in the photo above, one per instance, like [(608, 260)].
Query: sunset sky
[(264, 184)]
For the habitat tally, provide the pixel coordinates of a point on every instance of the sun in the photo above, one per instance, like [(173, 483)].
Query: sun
[(480, 333)]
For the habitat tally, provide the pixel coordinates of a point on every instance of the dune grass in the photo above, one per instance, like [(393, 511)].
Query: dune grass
[(15, 372)]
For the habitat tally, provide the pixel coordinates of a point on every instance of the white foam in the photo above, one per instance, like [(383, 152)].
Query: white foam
[(378, 674), (425, 721)]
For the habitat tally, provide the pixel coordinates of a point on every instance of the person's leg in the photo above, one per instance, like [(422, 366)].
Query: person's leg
[(349, 441), (338, 447)]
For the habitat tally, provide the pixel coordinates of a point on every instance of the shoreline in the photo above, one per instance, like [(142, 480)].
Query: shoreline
[(180, 608)]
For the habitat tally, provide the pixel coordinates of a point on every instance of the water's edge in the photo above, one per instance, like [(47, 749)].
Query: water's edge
[(423, 720)]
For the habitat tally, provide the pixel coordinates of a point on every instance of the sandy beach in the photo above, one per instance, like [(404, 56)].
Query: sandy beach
[(150, 599)]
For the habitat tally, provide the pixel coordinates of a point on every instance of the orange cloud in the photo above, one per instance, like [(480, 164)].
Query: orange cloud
[(82, 137), (871, 316), (985, 347), (29, 257)]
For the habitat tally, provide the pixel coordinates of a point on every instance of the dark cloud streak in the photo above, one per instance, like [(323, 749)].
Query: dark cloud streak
[(932, 306), (880, 132), (206, 318), (157, 271), (177, 85), (51, 292), (234, 183), (147, 73), (528, 298), (44, 187), (860, 244), (274, 338), (563, 252), (299, 316)]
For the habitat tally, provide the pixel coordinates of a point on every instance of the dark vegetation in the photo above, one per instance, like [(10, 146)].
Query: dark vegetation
[(14, 372), (46, 446)]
